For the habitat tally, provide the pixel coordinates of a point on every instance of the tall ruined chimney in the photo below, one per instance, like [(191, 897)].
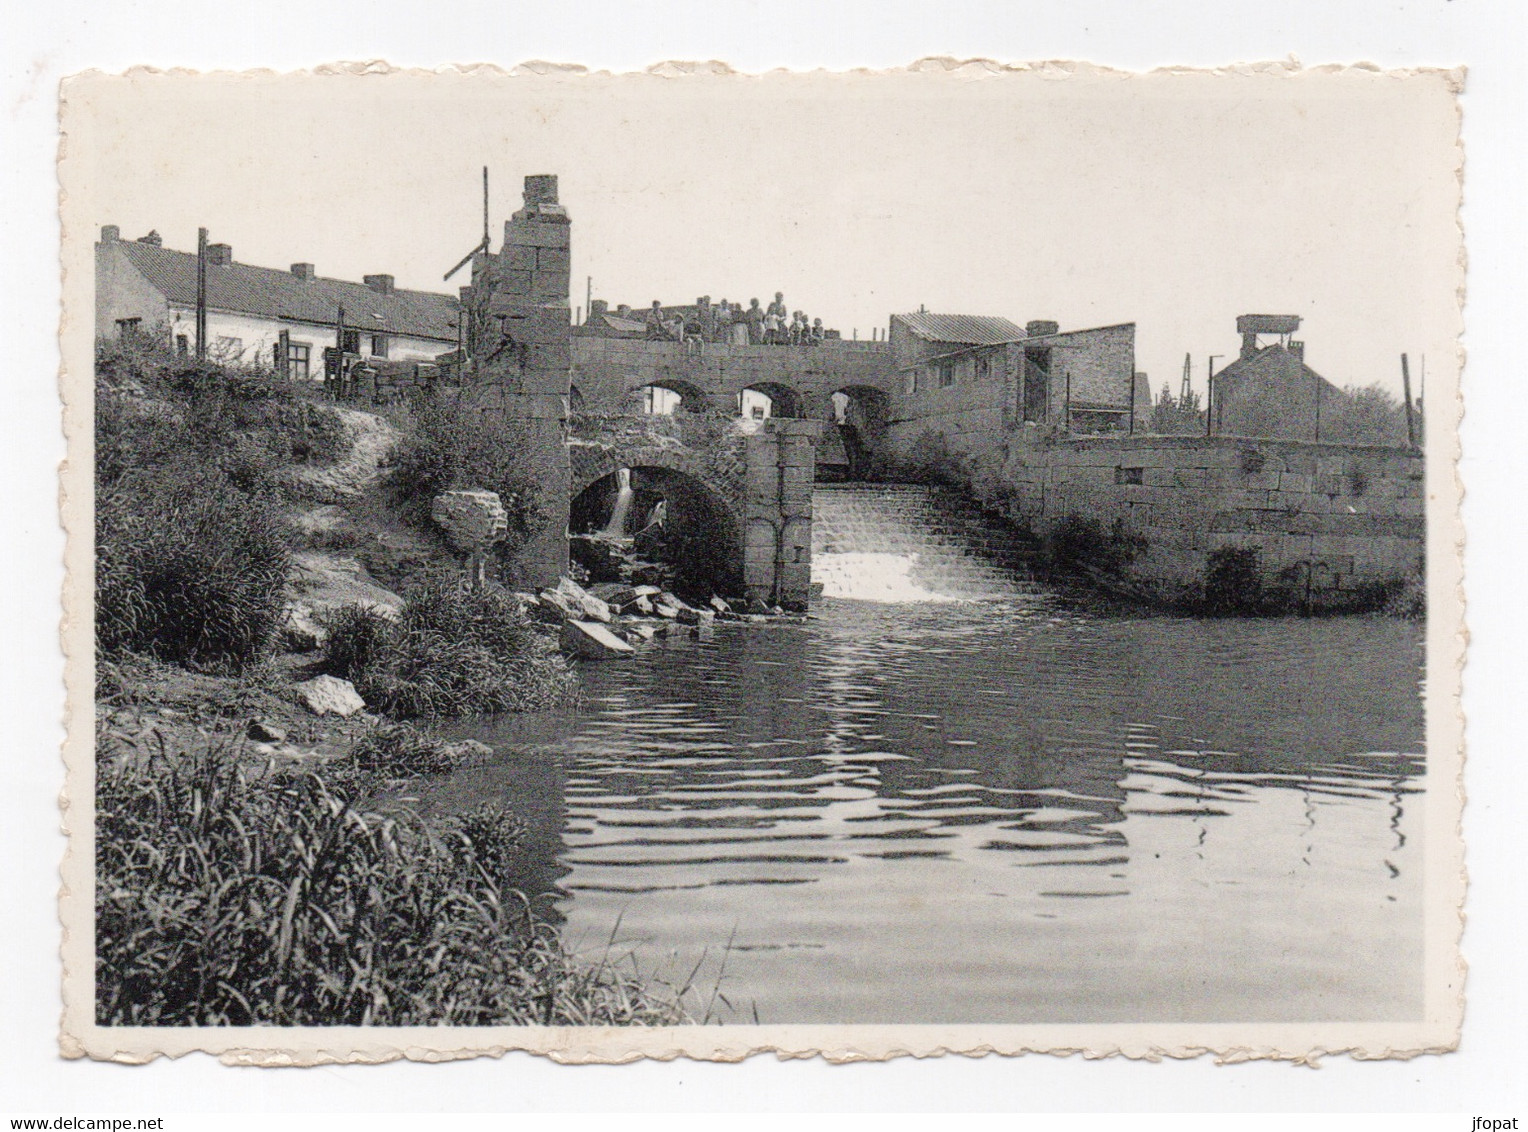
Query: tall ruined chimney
[(110, 233), (302, 270), (218, 255), (522, 360)]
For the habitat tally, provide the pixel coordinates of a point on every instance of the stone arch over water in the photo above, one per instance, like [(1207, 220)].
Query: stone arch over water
[(673, 516), (784, 400)]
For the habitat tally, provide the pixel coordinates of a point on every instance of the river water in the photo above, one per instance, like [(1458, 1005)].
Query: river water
[(1000, 811)]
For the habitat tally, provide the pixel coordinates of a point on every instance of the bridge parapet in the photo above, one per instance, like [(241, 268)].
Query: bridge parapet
[(609, 372)]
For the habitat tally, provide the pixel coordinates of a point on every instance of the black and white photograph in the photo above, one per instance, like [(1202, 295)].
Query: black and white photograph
[(953, 558)]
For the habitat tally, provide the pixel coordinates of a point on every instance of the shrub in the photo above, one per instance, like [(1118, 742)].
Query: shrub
[(449, 448), (189, 569), (1081, 542), (452, 651), (1232, 584), (401, 750), (226, 901)]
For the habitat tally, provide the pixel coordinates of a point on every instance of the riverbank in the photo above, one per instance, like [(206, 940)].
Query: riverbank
[(256, 860)]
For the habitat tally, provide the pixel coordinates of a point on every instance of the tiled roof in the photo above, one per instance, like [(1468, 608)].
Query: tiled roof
[(272, 293), (969, 329)]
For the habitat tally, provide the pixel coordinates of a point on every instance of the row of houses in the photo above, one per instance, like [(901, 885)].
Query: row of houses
[(944, 364), (263, 315)]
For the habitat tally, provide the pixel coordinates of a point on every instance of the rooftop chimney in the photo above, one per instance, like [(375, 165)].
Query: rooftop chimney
[(381, 284), (1041, 328), (218, 255), (302, 270), (110, 233), (1298, 350), (1249, 326), (152, 238), (598, 309)]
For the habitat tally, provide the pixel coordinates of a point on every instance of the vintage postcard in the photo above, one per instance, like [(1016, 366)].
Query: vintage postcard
[(961, 559)]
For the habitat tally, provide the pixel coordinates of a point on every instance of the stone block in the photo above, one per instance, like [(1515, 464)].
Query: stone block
[(513, 284), (549, 284), (592, 641), (552, 259), (537, 234), (329, 695), (1300, 482), (514, 258), (471, 520)]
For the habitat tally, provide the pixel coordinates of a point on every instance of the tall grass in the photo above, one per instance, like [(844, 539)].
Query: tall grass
[(221, 900), (451, 651), (191, 541)]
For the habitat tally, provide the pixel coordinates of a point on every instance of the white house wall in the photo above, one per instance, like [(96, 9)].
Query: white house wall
[(257, 338)]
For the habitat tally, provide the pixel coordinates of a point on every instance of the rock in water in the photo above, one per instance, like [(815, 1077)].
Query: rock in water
[(592, 641), (591, 607), (324, 695)]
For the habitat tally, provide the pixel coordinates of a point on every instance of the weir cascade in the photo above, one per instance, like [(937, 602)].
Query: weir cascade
[(913, 542)]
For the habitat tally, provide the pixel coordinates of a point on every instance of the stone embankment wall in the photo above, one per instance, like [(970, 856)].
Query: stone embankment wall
[(608, 373), (1323, 522)]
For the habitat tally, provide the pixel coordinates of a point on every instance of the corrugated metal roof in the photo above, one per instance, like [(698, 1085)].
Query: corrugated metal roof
[(272, 293), (970, 329)]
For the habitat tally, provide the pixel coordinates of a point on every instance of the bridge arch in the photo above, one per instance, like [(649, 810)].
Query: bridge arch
[(671, 516), (781, 400), (685, 396)]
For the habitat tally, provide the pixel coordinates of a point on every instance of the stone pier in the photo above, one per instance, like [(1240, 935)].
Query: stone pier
[(518, 338), (777, 505)]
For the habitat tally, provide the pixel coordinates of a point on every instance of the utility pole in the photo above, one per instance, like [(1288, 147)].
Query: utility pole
[(485, 208), (589, 295), (201, 294), (1209, 389), (1187, 368), (1411, 424)]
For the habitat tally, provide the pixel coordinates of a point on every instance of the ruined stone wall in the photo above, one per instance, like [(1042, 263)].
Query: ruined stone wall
[(608, 372), (519, 328), (1338, 517)]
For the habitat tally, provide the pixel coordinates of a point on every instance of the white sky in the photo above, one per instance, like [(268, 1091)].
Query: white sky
[(1175, 202)]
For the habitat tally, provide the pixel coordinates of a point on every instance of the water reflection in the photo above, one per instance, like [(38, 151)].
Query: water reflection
[(1006, 812)]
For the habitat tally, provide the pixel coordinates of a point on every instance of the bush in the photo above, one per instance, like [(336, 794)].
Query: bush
[(1232, 584), (224, 901), (189, 569), (448, 448), (1081, 542), (401, 750), (452, 651)]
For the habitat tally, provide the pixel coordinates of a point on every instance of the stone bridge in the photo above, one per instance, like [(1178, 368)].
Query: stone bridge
[(745, 486), (610, 374)]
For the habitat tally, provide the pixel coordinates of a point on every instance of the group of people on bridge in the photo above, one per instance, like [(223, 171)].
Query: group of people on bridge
[(735, 324)]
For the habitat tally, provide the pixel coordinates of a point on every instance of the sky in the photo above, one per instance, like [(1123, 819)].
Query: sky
[(1176, 201)]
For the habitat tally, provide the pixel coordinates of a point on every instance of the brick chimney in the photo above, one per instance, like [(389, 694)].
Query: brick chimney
[(110, 233), (381, 284), (302, 270), (153, 239), (598, 308), (1041, 328), (218, 255), (1298, 350)]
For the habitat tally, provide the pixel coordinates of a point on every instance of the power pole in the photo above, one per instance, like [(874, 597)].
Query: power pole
[(1187, 368), (1411, 424), (201, 294)]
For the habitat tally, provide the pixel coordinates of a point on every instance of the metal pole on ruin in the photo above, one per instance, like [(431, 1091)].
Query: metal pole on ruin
[(201, 293), (1411, 424), (1069, 400), (485, 208), (1209, 384)]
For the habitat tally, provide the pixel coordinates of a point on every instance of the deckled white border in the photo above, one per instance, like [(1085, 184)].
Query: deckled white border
[(1305, 1043)]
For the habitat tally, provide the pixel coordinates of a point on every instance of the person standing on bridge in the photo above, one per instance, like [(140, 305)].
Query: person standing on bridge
[(774, 320), (656, 330), (755, 318)]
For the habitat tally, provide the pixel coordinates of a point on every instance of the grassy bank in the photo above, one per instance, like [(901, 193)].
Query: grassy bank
[(246, 873)]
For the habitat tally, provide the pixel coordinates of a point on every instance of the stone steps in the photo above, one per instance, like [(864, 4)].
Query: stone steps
[(912, 542)]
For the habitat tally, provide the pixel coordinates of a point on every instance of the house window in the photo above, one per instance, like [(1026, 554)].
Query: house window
[(182, 345), (983, 367), (126, 327), (351, 342), (228, 348), (298, 360), (946, 374), (379, 345)]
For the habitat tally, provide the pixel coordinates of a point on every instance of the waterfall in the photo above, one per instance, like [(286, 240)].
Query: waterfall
[(905, 543), (616, 527)]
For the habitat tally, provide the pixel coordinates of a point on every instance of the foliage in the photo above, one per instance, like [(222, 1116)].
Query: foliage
[(401, 750), (1175, 416), (221, 900), (451, 651), (1232, 584), (191, 542), (1366, 415), (449, 448), (1080, 542)]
